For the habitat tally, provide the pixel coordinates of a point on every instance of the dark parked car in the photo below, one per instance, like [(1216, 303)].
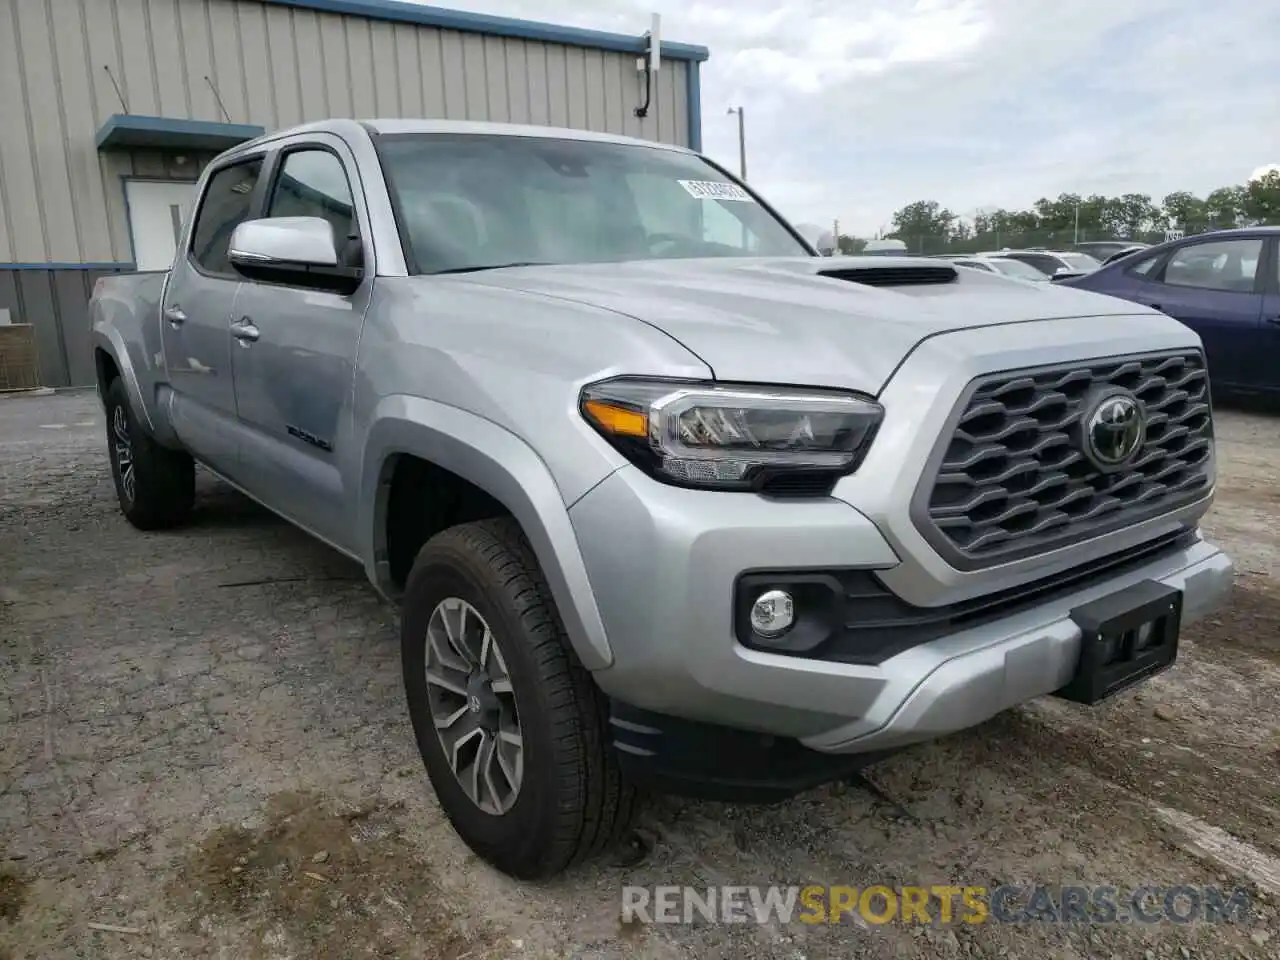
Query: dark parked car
[(1225, 286), (1124, 252), (1105, 249)]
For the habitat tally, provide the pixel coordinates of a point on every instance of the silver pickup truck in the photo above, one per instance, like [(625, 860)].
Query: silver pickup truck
[(666, 499)]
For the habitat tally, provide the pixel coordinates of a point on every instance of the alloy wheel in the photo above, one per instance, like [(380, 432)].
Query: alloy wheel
[(473, 706), (123, 447)]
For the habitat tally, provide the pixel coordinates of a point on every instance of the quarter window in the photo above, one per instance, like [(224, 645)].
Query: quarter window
[(1143, 267), (227, 202), (1216, 265)]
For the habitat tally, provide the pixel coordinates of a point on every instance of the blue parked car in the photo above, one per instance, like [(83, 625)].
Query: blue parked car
[(1225, 286)]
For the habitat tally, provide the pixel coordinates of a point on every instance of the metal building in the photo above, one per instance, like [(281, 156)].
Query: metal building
[(109, 110)]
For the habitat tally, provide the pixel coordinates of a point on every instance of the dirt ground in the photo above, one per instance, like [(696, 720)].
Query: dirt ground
[(205, 754)]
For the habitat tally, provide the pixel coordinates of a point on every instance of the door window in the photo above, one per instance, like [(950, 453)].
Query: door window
[(1216, 265), (227, 202), (312, 183)]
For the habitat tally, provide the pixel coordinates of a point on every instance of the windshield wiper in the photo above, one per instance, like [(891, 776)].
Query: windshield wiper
[(494, 266)]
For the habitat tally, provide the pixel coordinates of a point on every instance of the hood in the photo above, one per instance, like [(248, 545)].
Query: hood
[(801, 320)]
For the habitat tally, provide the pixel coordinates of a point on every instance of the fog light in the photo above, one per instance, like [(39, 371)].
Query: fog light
[(772, 614)]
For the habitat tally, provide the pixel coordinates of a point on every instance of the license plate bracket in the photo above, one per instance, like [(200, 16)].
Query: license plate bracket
[(1126, 637)]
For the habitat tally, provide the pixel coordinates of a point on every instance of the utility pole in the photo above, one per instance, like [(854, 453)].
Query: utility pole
[(1076, 241), (835, 236), (742, 143)]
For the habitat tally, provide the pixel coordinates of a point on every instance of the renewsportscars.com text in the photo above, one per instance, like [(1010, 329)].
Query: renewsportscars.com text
[(878, 904)]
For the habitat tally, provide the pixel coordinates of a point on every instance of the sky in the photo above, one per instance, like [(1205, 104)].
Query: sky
[(854, 109)]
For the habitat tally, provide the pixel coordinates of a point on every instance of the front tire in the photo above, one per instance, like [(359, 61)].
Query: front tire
[(156, 486), (488, 668)]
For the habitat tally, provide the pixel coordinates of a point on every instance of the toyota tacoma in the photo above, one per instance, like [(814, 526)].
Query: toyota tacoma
[(666, 499)]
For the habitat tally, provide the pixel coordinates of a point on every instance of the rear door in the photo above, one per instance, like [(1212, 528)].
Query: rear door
[(196, 317), (295, 379), (1215, 286)]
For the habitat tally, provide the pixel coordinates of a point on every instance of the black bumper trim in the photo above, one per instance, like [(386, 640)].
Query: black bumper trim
[(711, 762), (850, 616)]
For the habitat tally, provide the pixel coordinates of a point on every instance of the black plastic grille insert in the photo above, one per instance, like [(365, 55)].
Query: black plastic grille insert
[(1012, 480)]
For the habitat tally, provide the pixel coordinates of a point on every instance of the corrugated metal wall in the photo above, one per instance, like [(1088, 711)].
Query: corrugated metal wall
[(55, 301), (62, 202)]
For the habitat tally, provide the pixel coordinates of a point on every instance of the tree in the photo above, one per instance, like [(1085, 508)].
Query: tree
[(1224, 208), (850, 245), (924, 218), (1130, 215), (929, 227), (1184, 211), (1260, 203)]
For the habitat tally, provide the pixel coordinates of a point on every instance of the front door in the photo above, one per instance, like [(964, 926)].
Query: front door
[(1213, 287), (158, 211), (198, 305), (295, 377)]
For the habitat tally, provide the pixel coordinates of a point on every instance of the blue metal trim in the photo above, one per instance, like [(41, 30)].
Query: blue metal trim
[(135, 130), (693, 94), (116, 265), (398, 11)]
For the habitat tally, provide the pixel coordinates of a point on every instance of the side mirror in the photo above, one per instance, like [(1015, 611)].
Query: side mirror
[(296, 251)]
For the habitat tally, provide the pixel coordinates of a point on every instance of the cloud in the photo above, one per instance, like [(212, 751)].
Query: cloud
[(854, 109)]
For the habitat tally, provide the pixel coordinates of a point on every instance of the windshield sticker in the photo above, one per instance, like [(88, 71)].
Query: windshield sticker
[(715, 190)]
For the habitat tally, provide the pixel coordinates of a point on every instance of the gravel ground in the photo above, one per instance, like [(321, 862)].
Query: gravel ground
[(206, 754)]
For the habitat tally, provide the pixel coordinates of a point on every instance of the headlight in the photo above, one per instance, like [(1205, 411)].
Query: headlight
[(732, 437)]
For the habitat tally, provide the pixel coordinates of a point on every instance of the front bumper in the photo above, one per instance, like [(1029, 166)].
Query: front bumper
[(663, 562)]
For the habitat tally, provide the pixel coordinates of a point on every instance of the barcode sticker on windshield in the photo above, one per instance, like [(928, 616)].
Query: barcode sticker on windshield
[(715, 190)]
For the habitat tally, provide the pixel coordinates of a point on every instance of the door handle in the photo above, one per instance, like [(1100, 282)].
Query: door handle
[(175, 315), (245, 332)]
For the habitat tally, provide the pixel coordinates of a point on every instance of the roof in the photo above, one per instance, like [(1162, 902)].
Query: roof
[(398, 11), (342, 126), (392, 125)]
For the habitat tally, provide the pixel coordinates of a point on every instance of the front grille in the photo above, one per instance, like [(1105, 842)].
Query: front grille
[(1012, 479)]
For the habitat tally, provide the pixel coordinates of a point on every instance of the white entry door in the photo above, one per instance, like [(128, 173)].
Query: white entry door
[(157, 211)]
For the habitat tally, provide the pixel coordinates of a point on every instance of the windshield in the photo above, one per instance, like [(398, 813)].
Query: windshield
[(1016, 268), (474, 201)]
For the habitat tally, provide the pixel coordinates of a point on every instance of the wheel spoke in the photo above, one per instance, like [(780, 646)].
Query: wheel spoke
[(437, 679), (486, 641), (499, 672), (474, 773), (466, 733), (497, 799), (445, 722), (443, 647)]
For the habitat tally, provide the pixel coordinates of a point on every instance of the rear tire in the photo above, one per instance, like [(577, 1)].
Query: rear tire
[(571, 801), (156, 486)]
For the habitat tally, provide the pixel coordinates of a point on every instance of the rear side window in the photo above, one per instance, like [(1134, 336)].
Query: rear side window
[(226, 204)]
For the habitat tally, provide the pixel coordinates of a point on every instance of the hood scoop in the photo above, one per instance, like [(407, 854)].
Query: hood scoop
[(894, 276)]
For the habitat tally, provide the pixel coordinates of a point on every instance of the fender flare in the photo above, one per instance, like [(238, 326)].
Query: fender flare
[(504, 466), (109, 340)]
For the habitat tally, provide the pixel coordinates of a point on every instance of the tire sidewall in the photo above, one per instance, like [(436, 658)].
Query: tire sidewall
[(511, 838)]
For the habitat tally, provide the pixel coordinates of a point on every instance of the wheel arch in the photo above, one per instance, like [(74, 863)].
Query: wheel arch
[(504, 467)]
